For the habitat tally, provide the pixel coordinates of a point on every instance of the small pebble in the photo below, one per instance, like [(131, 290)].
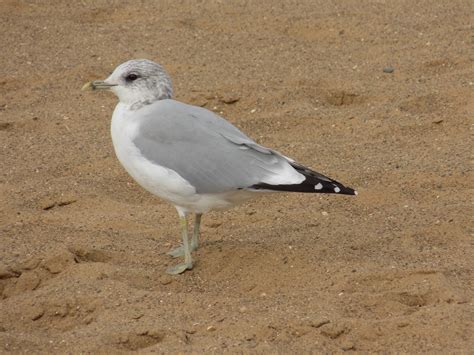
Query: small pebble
[(388, 70), (347, 345), (229, 98), (165, 280)]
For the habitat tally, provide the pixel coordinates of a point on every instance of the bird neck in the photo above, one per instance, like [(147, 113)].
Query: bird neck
[(161, 91)]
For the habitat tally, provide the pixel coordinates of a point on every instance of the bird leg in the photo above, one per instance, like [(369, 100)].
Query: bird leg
[(196, 232), (179, 251), (188, 262)]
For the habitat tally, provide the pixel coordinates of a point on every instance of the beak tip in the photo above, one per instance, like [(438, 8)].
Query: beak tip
[(88, 86)]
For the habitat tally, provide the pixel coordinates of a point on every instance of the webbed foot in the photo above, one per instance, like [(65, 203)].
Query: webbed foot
[(179, 269)]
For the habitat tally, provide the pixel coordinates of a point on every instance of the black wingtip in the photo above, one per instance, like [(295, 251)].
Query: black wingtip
[(309, 187), (347, 191), (314, 183)]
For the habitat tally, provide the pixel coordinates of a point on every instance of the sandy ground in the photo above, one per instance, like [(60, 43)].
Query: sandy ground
[(82, 246)]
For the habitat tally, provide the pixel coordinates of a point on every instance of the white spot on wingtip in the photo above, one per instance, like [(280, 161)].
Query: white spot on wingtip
[(355, 192), (337, 189), (319, 186)]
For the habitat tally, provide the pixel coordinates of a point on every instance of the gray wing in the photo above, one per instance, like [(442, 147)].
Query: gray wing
[(206, 150)]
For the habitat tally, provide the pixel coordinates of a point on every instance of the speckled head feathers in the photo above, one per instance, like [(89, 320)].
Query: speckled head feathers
[(140, 82)]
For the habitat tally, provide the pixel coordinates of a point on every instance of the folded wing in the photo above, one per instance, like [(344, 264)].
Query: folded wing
[(214, 156)]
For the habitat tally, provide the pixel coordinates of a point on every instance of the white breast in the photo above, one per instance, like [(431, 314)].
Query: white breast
[(156, 179)]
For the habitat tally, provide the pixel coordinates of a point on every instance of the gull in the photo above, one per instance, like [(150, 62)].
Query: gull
[(190, 156)]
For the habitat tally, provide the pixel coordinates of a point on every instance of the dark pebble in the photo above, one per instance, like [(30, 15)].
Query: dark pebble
[(388, 70)]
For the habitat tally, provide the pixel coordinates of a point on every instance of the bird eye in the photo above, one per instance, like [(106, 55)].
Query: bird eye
[(131, 77)]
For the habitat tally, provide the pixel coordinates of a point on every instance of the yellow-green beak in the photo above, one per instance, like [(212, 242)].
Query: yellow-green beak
[(97, 85)]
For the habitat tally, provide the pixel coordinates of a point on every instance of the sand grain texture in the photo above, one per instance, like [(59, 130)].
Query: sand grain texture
[(82, 246)]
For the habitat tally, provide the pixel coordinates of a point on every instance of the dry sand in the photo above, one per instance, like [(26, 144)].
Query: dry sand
[(82, 246)]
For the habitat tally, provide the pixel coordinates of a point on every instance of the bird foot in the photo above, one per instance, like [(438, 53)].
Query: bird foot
[(179, 269), (179, 251)]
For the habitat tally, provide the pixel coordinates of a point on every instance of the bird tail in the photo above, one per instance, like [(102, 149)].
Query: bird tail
[(314, 183)]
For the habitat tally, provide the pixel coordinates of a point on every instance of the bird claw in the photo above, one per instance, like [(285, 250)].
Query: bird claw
[(179, 269)]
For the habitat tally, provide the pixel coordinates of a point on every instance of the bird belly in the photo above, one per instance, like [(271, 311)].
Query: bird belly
[(217, 201)]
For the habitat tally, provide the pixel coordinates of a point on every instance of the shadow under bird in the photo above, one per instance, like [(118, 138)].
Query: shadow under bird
[(190, 156)]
